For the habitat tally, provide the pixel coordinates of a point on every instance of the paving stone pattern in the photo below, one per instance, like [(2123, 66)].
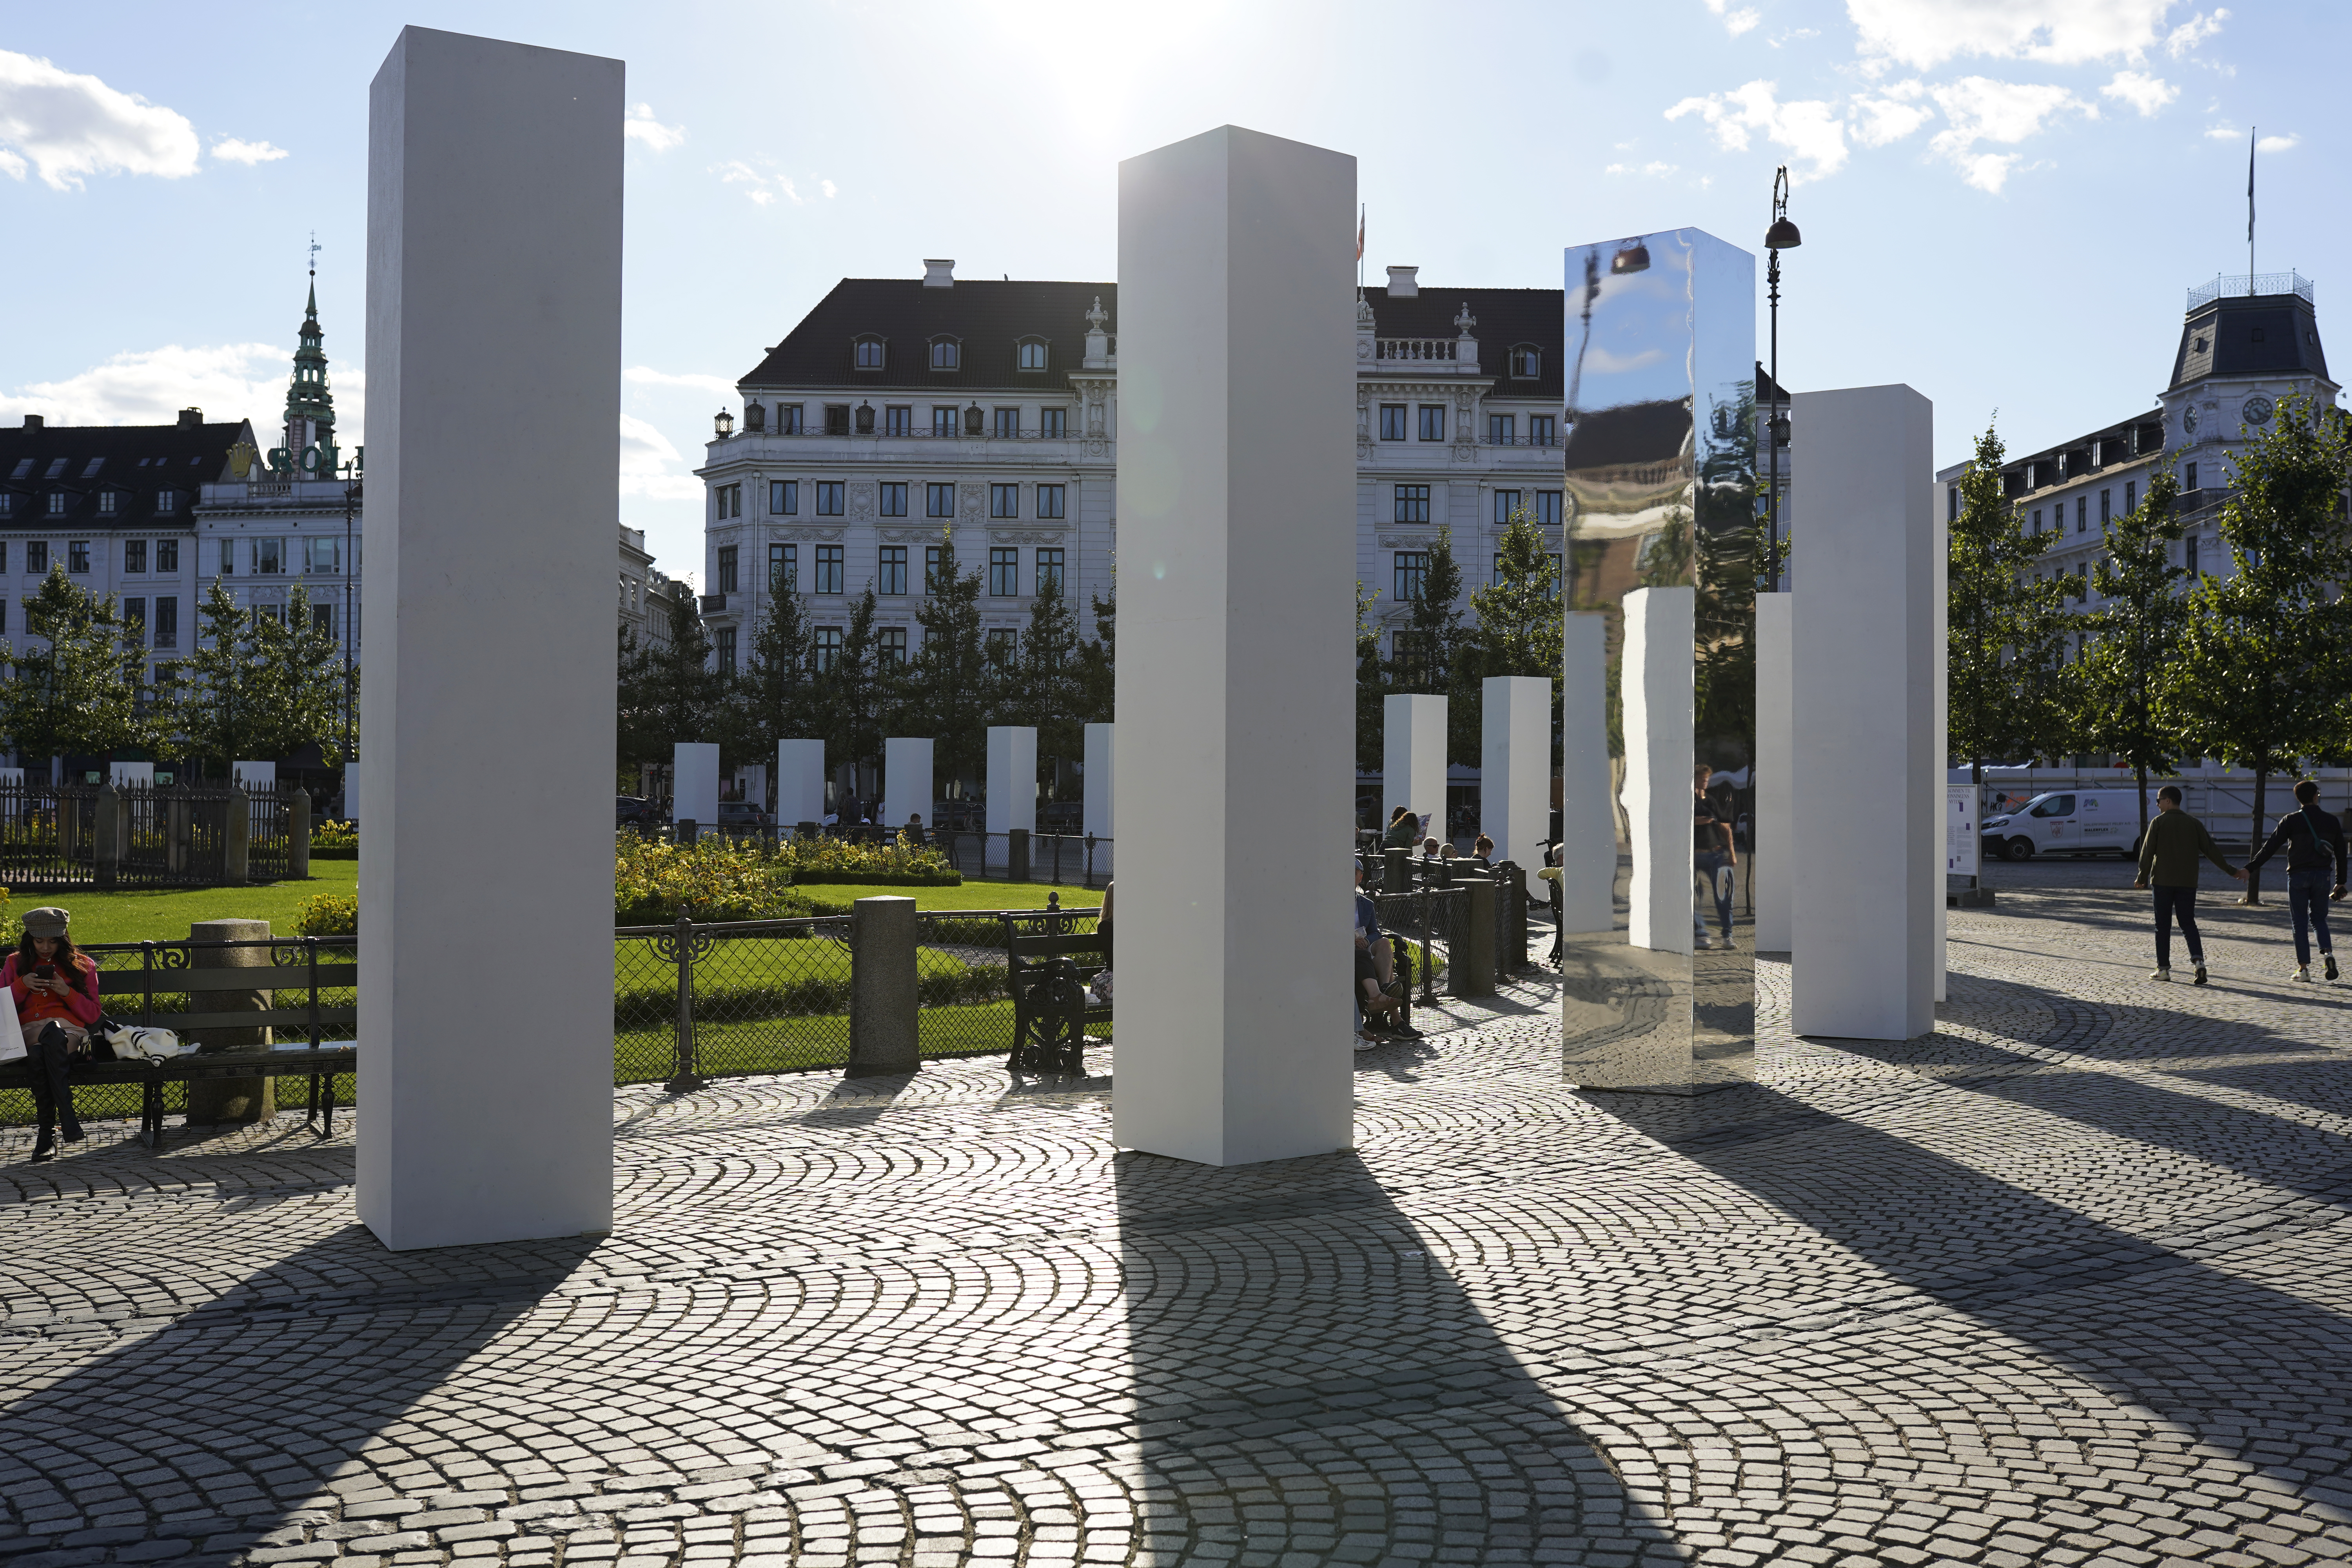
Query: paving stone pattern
[(2062, 1283)]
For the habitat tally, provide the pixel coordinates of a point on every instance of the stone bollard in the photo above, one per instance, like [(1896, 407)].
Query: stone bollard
[(1470, 967), (231, 1100), (107, 846), (236, 839), (883, 1004), (1016, 855), (1396, 871), (297, 835)]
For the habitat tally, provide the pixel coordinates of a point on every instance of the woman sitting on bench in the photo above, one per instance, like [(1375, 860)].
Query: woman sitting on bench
[(55, 989)]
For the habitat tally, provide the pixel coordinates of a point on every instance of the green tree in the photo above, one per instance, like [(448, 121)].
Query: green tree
[(81, 688), (2115, 693), (947, 691), (2005, 634), (2262, 678)]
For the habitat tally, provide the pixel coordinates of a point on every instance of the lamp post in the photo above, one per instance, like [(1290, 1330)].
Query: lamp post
[(1783, 236)]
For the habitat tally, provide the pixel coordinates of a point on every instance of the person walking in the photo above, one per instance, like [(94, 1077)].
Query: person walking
[(2314, 842), (2168, 861)]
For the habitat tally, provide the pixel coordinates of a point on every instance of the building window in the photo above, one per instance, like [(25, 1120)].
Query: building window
[(1412, 570), (1003, 646), (1008, 424), (1033, 354), (828, 498), (1502, 429), (1004, 500), (167, 622), (827, 652), (943, 420), (1050, 422), (723, 638), (868, 353), (1543, 430), (134, 556), (1392, 421), (1413, 504), (1547, 508), (1049, 570), (2083, 513), (893, 499), (134, 622), (898, 419), (77, 555), (932, 554), (37, 556), (945, 353), (788, 419), (727, 568), (57, 503), (167, 557), (836, 418), (1433, 422), (1005, 573), (828, 569), (894, 570), (939, 500), (1506, 503), (783, 497), (784, 568), (1049, 500), (106, 499), (321, 553), (1526, 362)]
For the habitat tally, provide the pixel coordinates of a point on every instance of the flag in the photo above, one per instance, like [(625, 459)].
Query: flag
[(1359, 234), (2250, 190)]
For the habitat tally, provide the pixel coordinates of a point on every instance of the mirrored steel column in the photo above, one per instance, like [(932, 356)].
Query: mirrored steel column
[(1659, 978)]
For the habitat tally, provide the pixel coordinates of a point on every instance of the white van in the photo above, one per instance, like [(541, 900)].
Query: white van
[(2069, 822)]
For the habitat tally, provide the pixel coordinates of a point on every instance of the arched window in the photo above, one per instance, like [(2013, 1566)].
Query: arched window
[(1527, 361), (866, 353), (1032, 354), (946, 353)]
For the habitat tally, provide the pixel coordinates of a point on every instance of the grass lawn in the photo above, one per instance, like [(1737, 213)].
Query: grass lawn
[(166, 916), (974, 895)]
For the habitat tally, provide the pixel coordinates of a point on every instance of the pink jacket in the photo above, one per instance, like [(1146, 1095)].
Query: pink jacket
[(79, 1004)]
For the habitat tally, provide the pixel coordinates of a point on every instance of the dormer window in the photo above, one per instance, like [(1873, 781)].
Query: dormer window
[(946, 353), (1527, 362), (866, 353), (1030, 354)]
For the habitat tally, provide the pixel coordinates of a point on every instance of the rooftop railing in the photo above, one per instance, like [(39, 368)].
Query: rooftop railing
[(2234, 285)]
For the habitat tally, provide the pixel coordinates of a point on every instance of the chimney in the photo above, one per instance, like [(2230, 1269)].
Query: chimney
[(938, 274), (1404, 283), (192, 417), (33, 422)]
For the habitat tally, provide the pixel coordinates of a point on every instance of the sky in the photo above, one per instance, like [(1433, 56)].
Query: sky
[(2002, 201)]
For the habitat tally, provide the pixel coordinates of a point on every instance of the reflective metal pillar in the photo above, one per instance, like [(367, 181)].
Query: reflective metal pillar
[(1659, 979)]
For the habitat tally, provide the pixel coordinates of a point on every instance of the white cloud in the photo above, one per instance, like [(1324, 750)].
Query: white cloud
[(646, 456), (2146, 93), (640, 126), (1923, 34), (1808, 128), (68, 126), (2185, 38), (1734, 21), (646, 375), (235, 152), (227, 380), (1894, 113)]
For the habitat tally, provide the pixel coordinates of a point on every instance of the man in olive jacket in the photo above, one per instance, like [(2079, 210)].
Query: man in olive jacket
[(2168, 858)]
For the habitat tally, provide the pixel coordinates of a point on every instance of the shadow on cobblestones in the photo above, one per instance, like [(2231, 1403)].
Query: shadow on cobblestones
[(1311, 1385)]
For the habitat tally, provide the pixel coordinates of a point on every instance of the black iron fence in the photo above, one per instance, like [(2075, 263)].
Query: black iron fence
[(60, 838)]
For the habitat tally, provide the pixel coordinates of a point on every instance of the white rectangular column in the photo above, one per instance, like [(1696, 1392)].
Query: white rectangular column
[(1769, 861), (493, 304), (1660, 629), (1864, 711), (1515, 766), (1588, 810), (800, 782), (1236, 484), (905, 783), (1102, 776), (1011, 778), (1413, 758), (694, 784)]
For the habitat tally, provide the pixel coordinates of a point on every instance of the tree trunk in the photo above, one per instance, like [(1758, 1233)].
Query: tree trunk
[(2254, 893)]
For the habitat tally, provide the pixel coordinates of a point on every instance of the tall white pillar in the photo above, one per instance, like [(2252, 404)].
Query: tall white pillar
[(1769, 861), (493, 304), (1515, 766), (905, 783), (694, 782), (1587, 808), (1236, 483), (800, 782), (1864, 710), (1660, 627), (1011, 778), (1101, 776), (1413, 758)]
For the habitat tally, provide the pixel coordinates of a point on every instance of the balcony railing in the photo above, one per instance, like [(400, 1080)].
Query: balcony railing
[(2238, 284)]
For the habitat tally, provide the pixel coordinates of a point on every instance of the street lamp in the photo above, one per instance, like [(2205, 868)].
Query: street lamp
[(1783, 236)]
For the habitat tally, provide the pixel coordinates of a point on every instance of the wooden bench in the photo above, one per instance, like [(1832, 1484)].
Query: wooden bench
[(127, 991), (1048, 966)]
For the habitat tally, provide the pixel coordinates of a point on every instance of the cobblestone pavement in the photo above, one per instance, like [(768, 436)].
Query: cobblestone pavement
[(2060, 1283)]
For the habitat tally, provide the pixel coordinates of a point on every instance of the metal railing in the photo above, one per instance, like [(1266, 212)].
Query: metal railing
[(2232, 285)]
